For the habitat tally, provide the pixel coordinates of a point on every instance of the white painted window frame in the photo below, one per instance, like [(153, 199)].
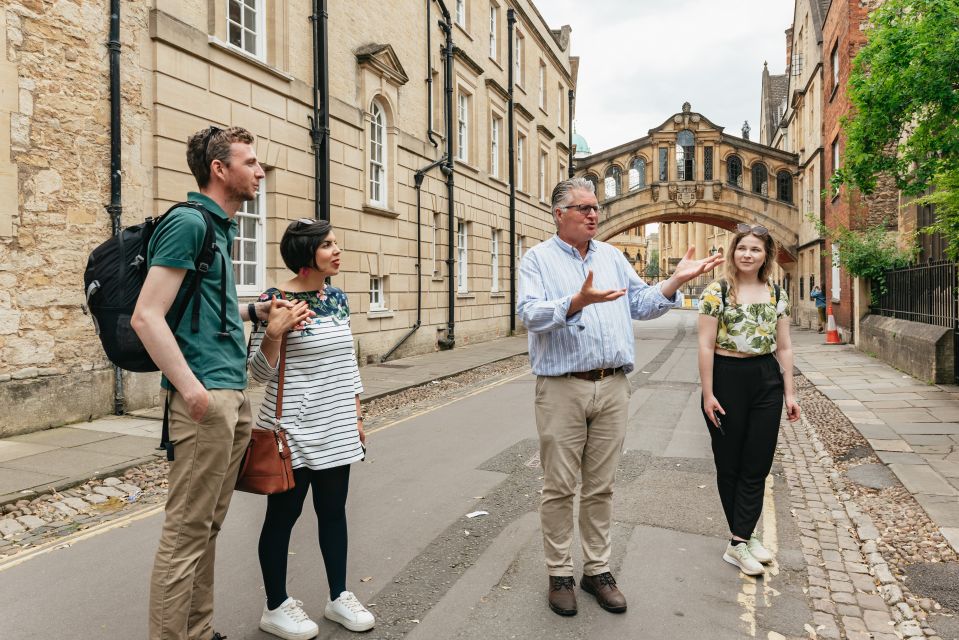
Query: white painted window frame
[(257, 287), (259, 31)]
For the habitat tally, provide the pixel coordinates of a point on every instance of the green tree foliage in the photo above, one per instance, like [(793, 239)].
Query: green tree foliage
[(652, 264), (867, 254), (904, 89)]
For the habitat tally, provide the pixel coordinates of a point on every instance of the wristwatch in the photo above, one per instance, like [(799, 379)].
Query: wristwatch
[(251, 311)]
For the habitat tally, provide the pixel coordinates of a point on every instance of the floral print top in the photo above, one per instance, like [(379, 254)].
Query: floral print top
[(745, 328)]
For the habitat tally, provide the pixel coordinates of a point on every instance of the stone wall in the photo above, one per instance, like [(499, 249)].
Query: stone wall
[(923, 351), (54, 170)]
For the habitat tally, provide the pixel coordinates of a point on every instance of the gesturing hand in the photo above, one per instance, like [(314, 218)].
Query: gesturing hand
[(591, 295), (285, 317), (688, 268)]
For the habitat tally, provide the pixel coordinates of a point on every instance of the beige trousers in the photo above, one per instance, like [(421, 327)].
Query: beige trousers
[(581, 427), (201, 480)]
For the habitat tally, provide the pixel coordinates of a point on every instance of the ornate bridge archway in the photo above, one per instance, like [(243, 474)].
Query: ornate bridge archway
[(688, 170)]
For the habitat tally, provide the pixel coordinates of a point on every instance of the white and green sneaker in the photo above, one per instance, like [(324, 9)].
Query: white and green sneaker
[(740, 556), (758, 551)]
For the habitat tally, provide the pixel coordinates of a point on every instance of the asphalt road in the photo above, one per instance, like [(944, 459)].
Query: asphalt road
[(430, 572)]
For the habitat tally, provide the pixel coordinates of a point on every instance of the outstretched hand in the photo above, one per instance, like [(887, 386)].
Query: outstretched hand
[(688, 268), (588, 295)]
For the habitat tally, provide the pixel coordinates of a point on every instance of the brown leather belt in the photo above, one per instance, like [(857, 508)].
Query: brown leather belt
[(595, 374)]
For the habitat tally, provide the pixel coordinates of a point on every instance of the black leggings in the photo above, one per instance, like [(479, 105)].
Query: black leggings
[(750, 390), (330, 487)]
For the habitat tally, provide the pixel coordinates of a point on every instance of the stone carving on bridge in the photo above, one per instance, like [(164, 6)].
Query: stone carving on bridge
[(684, 195), (655, 193), (717, 190)]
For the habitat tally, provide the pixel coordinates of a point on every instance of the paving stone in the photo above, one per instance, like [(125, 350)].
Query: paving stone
[(871, 602), (864, 583), (923, 479), (76, 503), (111, 482), (95, 498), (841, 587), (883, 574), (109, 492), (826, 606), (828, 623), (64, 509), (847, 610), (9, 527), (874, 476), (841, 597), (910, 628), (818, 592), (31, 522)]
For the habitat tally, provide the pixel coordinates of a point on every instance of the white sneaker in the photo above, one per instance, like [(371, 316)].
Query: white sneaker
[(739, 555), (348, 611), (758, 551), (289, 621)]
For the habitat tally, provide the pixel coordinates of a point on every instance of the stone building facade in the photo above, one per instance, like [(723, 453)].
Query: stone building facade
[(187, 64), (792, 120)]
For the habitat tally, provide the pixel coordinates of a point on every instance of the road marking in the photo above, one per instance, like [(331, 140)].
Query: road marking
[(446, 404), (749, 598), (122, 521), (68, 541)]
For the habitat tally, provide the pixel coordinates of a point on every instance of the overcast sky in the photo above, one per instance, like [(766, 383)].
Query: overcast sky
[(641, 59)]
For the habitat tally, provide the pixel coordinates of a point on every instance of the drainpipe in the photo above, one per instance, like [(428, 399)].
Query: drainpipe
[(446, 24), (320, 120), (510, 21), (569, 127), (418, 184), (429, 76), (115, 208)]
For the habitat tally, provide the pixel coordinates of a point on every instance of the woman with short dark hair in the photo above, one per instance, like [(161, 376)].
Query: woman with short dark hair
[(322, 419), (746, 369)]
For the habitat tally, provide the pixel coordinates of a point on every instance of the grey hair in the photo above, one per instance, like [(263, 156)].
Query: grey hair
[(562, 193)]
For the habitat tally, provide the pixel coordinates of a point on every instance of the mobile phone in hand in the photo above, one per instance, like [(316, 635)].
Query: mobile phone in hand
[(719, 423)]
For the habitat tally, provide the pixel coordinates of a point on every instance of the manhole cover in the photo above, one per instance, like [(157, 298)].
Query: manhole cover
[(874, 476), (936, 580)]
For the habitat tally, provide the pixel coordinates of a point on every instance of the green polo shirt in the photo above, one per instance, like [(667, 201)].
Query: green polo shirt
[(218, 362)]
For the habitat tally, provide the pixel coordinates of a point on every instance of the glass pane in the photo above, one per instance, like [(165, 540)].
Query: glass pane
[(236, 273), (250, 43), (249, 250), (251, 3), (234, 11), (250, 19), (249, 274), (234, 36)]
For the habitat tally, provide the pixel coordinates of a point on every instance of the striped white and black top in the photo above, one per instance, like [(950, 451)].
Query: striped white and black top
[(321, 384)]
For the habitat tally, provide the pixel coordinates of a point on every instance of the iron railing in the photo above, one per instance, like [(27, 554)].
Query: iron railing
[(923, 293)]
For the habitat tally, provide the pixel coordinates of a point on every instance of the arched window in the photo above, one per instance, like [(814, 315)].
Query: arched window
[(760, 179), (784, 186), (377, 154), (637, 174), (734, 172), (685, 155), (612, 182)]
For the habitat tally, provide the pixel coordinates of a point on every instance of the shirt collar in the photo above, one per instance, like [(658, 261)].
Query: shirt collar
[(210, 204), (568, 248)]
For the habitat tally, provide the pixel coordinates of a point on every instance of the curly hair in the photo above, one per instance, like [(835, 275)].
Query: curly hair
[(212, 143)]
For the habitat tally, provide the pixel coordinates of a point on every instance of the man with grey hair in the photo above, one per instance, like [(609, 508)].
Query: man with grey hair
[(577, 299)]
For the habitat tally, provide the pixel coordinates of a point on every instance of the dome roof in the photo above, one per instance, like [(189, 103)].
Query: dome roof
[(582, 147)]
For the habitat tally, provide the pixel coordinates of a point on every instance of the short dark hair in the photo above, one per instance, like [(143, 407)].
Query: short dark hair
[(301, 240), (212, 143)]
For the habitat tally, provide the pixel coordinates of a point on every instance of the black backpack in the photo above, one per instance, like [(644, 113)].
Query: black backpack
[(114, 276)]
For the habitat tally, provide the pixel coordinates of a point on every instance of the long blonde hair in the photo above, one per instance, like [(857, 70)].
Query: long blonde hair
[(732, 273)]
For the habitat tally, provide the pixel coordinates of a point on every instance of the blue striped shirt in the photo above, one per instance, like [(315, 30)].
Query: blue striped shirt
[(601, 334)]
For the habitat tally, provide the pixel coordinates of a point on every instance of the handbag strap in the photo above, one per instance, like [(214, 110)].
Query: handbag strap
[(279, 383)]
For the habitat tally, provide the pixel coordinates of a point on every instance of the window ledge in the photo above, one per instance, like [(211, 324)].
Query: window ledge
[(466, 165), (379, 314), (379, 211), (497, 294), (437, 277), (240, 53), (463, 30), (498, 180), (465, 296)]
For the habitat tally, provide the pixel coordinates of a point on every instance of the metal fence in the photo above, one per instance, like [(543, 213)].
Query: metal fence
[(922, 293)]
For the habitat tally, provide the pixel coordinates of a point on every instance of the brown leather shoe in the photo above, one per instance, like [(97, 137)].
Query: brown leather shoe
[(562, 595), (603, 586)]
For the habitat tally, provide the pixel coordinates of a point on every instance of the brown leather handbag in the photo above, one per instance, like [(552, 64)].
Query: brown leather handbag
[(267, 467)]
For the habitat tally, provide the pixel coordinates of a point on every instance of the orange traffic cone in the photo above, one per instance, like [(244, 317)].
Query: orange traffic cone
[(832, 334)]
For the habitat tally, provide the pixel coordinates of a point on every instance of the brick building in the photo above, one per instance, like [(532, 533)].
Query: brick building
[(185, 65)]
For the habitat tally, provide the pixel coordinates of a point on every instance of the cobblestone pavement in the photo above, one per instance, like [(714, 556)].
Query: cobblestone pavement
[(854, 592), (43, 520)]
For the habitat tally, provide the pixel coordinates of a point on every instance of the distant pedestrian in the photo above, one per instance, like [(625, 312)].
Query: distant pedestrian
[(819, 296), (746, 367), (204, 373), (323, 422), (578, 297)]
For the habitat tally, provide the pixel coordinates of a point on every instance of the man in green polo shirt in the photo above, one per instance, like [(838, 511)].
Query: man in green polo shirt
[(205, 374)]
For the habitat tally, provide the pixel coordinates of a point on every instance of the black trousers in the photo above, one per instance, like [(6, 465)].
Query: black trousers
[(330, 487), (750, 390)]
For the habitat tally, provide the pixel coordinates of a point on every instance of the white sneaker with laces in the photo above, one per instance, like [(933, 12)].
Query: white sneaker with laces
[(758, 551), (348, 611), (739, 556), (289, 621)]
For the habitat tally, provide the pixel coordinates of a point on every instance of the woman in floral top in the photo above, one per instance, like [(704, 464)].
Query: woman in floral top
[(322, 420), (745, 365)]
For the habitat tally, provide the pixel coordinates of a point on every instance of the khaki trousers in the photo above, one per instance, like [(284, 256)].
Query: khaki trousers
[(201, 480), (581, 427)]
